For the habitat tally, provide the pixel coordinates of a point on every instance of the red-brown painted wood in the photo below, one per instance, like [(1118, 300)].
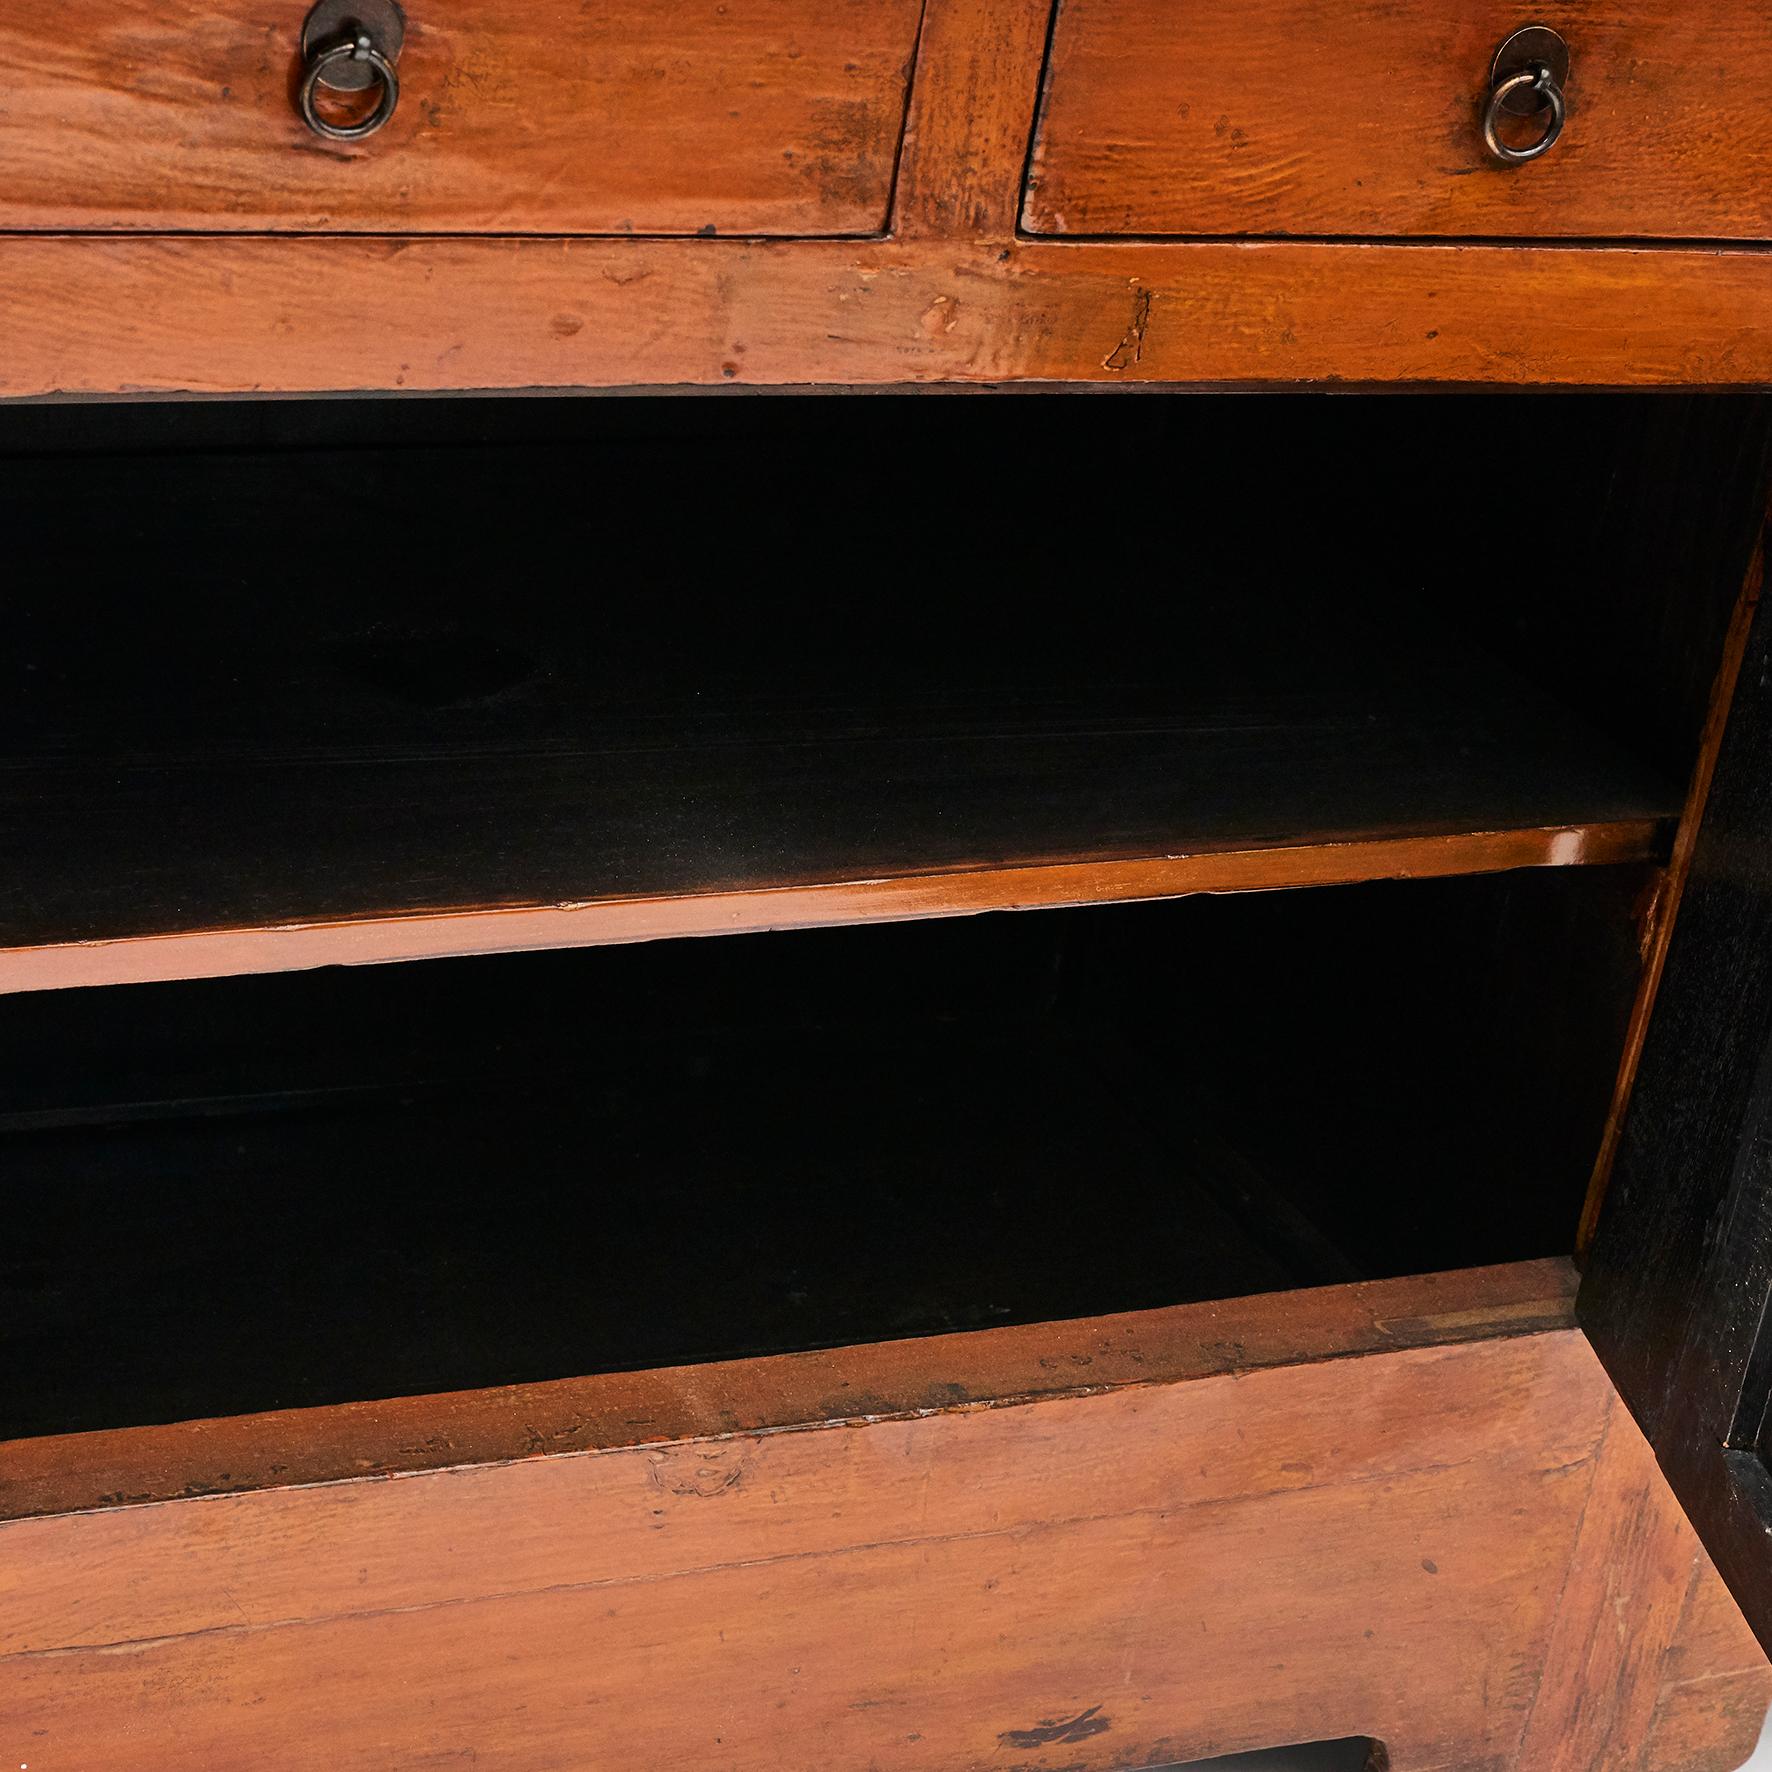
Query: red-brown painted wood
[(613, 117), (371, 939), (1309, 117)]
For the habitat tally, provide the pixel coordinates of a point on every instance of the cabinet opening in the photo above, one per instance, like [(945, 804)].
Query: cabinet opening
[(309, 684), (231, 1195)]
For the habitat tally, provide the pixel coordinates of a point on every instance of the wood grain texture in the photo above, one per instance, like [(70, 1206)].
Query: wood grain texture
[(1713, 1697), (615, 117), (956, 298), (109, 316), (1311, 118), (972, 109), (1622, 1607), (938, 1577), (293, 946)]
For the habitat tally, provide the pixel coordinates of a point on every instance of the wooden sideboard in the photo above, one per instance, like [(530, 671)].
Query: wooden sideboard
[(1298, 1286)]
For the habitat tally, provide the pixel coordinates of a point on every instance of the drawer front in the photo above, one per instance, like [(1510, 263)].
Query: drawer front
[(1307, 118), (612, 117)]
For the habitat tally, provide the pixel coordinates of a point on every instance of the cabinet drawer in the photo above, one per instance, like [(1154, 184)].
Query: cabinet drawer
[(1304, 118), (616, 117)]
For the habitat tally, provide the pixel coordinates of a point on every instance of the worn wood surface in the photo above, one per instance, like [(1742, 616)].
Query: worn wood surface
[(1311, 118), (241, 316), (972, 111), (1713, 1696), (954, 296), (618, 117), (1620, 1614), (1060, 1546)]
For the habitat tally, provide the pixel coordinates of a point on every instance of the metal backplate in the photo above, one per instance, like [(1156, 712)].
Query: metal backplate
[(1531, 47), (333, 20)]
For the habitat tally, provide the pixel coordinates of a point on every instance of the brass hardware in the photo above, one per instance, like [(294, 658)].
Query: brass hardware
[(351, 46), (1526, 79)]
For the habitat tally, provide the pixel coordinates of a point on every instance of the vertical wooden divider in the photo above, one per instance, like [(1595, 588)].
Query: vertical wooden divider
[(1659, 926), (973, 98)]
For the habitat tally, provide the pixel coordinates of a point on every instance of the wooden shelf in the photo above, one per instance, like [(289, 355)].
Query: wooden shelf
[(212, 953), (189, 864), (402, 740), (318, 823)]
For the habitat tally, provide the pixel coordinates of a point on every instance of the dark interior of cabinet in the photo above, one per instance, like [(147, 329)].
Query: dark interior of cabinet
[(227, 1195), (331, 661), (309, 662)]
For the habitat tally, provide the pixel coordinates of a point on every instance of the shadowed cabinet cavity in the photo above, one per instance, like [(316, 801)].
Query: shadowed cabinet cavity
[(1136, 1332)]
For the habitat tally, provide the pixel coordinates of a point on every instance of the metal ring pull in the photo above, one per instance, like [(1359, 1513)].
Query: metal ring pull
[(326, 65), (1526, 79), (1541, 81)]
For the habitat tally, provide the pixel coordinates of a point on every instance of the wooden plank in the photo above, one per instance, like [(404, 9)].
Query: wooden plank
[(930, 1647), (1079, 1562), (1711, 1724), (1315, 118), (964, 892), (656, 117), (776, 1548), (972, 109), (192, 316), (880, 1381)]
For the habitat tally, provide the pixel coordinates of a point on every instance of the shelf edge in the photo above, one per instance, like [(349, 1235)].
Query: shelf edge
[(373, 940)]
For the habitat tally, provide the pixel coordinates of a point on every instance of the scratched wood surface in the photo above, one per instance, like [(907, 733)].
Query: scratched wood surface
[(168, 316), (1305, 117), (614, 117), (1066, 1545)]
